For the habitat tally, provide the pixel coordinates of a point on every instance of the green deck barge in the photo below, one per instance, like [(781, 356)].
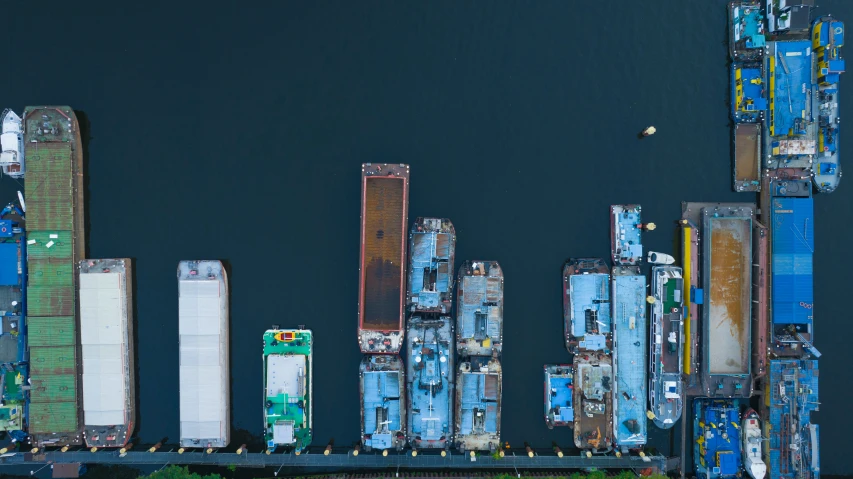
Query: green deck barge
[(288, 363), (55, 243)]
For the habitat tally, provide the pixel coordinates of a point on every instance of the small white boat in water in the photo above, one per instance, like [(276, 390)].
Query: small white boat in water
[(751, 444), (660, 258), (12, 145)]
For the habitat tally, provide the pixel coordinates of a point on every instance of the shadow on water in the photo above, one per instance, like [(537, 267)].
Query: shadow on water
[(134, 355), (85, 137)]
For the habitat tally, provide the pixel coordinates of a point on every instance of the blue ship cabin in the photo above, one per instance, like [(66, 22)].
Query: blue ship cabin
[(9, 264), (479, 407), (630, 345), (748, 24), (793, 249), (593, 342), (560, 398), (590, 297), (790, 79), (381, 407)]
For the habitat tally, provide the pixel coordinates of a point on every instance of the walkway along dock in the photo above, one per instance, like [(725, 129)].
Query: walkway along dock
[(348, 460)]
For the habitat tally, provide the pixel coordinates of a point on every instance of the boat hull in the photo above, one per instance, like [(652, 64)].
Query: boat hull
[(593, 401)]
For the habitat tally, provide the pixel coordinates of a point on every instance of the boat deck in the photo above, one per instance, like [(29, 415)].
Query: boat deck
[(630, 349), (792, 131), (559, 406), (794, 394), (747, 157), (592, 397), (383, 409), (432, 245), (749, 102), (287, 388), (717, 445), (384, 217), (431, 377), (478, 421), (827, 40), (590, 313), (668, 345), (626, 241), (746, 30), (479, 308)]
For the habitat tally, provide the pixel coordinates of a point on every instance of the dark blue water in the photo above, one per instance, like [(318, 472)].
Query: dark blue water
[(238, 133)]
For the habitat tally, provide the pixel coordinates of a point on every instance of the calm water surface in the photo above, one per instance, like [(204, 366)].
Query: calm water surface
[(238, 133)]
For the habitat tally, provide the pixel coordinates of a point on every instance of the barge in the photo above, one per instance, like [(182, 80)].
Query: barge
[(203, 329), (382, 271), (592, 396), (432, 248), (629, 355), (626, 244), (827, 40), (430, 373), (106, 335), (479, 312), (716, 438), (382, 388), (56, 243), (747, 157), (14, 376), (586, 305), (288, 388), (791, 396), (667, 346), (478, 404)]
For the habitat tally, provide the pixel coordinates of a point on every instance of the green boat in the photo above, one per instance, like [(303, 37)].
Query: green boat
[(288, 369)]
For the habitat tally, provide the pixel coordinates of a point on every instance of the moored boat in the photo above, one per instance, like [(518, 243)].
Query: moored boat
[(13, 336), (592, 397), (746, 30), (382, 282), (478, 404), (203, 329), (630, 385), (751, 446), (106, 335), (559, 405), (288, 387), (626, 244), (667, 346), (382, 389), (12, 145), (479, 312), (827, 40), (586, 304), (430, 376), (716, 442), (432, 249), (659, 258)]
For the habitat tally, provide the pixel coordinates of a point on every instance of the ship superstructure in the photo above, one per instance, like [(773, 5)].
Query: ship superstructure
[(827, 40), (12, 144), (626, 244), (203, 327), (479, 312), (55, 245), (629, 355), (478, 399), (751, 442), (559, 403), (592, 397), (586, 304), (716, 438), (106, 335), (667, 346), (381, 291), (383, 402), (432, 247), (13, 335), (430, 375), (288, 387)]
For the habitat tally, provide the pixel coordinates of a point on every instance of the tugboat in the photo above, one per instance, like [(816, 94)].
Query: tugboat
[(288, 387), (751, 446), (430, 373)]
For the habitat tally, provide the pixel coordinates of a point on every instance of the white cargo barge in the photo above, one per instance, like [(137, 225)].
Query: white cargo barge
[(203, 331), (106, 336)]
